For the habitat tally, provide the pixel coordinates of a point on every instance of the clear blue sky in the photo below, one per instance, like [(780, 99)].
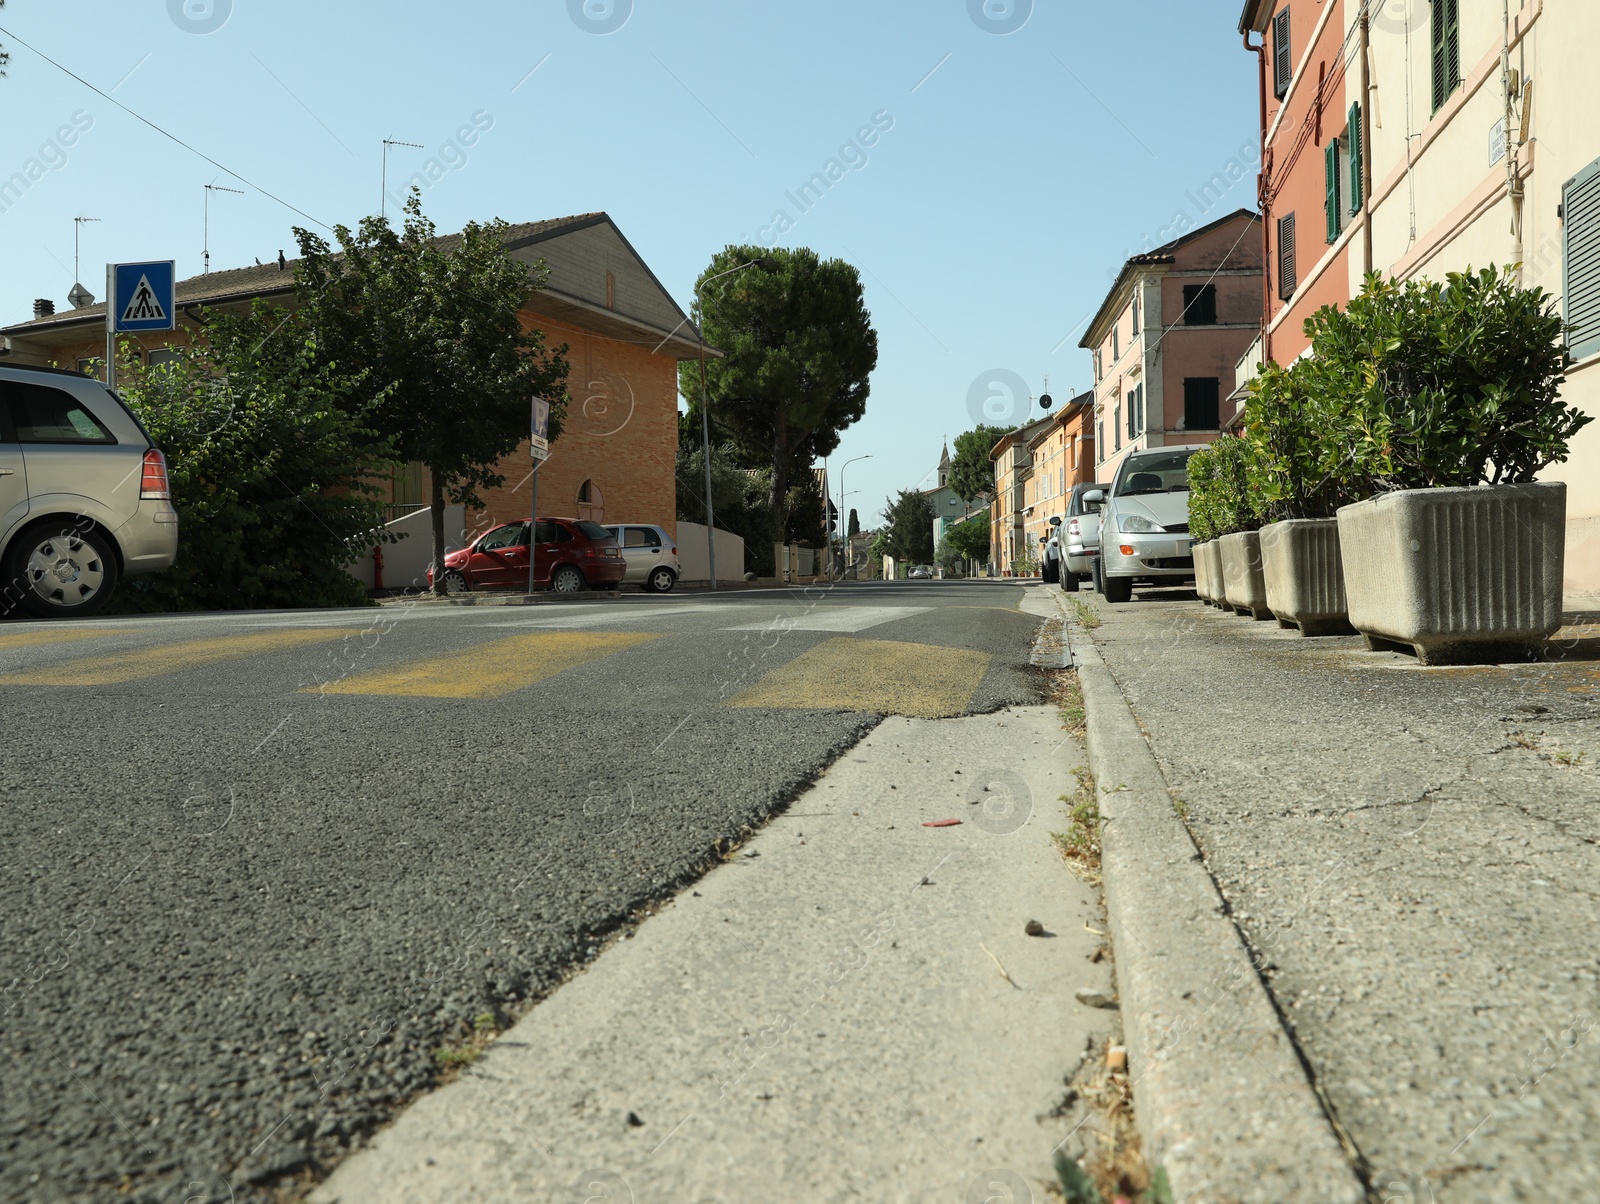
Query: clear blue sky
[(987, 222)]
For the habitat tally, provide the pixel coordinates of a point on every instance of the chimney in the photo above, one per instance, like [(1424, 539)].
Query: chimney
[(43, 307)]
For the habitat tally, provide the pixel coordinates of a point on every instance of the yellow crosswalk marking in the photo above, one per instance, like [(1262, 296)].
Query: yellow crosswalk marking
[(32, 639), (925, 681), (169, 658), (492, 669)]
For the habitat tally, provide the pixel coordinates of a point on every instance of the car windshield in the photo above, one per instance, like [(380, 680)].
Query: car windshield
[(595, 531), (1157, 472)]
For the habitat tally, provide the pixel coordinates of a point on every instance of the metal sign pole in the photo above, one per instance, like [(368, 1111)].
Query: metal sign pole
[(111, 326), (533, 528)]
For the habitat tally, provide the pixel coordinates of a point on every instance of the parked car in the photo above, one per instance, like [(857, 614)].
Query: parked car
[(1079, 536), (1144, 523), (570, 553), (84, 499), (651, 556), (919, 573)]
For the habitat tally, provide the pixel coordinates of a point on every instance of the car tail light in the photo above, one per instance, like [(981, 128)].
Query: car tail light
[(1072, 526), (154, 486), (674, 551)]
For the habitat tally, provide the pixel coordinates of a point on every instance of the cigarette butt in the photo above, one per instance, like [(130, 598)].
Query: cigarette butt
[(1117, 1057)]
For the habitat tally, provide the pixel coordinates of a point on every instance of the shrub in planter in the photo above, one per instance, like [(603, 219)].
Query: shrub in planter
[(1449, 405), (1298, 479), (1222, 503)]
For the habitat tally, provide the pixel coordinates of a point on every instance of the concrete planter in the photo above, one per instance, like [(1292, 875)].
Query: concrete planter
[(1202, 583), (1244, 587), (1304, 576), (1213, 559), (1457, 575)]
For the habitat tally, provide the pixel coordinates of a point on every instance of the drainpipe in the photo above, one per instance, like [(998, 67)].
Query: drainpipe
[(1366, 143), (1263, 201), (1514, 188)]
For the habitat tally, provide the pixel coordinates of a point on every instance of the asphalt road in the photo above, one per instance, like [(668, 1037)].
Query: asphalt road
[(260, 867)]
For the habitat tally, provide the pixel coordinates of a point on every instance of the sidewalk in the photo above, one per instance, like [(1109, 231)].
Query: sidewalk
[(1412, 855), (823, 1017)]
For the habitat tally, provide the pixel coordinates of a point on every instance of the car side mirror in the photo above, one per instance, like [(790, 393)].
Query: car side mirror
[(1056, 521), (1094, 497)]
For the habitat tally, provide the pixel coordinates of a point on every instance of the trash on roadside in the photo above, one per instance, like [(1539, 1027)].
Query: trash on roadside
[(940, 823), (1117, 1057), (1033, 928), (1090, 997)]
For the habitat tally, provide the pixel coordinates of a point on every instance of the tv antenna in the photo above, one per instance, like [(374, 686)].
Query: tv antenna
[(77, 227), (1045, 400), (210, 188), (383, 207)]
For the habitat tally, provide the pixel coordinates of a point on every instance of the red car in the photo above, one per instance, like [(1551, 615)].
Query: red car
[(571, 553)]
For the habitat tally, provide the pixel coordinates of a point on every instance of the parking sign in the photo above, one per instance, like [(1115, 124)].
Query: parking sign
[(539, 444)]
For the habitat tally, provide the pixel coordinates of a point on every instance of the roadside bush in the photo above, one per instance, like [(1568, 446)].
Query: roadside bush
[(1428, 384), (1293, 469), (271, 459), (1220, 497)]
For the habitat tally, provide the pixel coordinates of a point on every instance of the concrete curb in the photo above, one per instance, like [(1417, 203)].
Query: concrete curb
[(1222, 1098)]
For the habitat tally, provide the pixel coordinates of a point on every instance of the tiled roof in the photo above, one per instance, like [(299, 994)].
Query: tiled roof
[(266, 278)]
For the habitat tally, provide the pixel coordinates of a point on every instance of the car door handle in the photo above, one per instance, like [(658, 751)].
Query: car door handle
[(7, 472)]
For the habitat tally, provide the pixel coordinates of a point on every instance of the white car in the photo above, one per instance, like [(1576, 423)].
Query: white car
[(1079, 535), (919, 573), (1144, 523), (651, 556)]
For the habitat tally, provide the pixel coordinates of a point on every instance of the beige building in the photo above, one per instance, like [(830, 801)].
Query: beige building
[(1013, 467), (1481, 146)]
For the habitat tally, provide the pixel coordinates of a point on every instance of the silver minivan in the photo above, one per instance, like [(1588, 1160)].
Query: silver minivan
[(651, 555), (84, 498)]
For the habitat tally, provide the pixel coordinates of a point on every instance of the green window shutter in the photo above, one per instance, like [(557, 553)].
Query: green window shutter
[(1580, 261), (1330, 173), (1353, 136), (1282, 54), (1446, 39)]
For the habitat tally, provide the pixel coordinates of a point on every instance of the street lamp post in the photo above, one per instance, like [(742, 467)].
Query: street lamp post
[(705, 412), (842, 496)]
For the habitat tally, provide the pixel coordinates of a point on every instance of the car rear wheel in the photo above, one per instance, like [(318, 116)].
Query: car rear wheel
[(661, 580), (455, 582), (1094, 576), (1117, 589), (566, 580), (62, 574)]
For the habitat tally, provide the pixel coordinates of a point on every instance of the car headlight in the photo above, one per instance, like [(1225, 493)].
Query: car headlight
[(1138, 524)]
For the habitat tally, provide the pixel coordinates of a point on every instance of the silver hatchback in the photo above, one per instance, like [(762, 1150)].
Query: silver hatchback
[(651, 555), (84, 497)]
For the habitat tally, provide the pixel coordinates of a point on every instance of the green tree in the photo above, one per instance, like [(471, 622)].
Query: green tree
[(739, 498), (270, 454), (971, 470), (433, 322), (909, 518), (970, 540), (854, 527), (798, 347)]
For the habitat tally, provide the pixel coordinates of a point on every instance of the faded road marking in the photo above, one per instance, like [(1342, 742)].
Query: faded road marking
[(169, 658), (925, 681)]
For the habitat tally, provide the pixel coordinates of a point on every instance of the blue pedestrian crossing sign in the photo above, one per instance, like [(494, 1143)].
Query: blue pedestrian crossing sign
[(141, 296)]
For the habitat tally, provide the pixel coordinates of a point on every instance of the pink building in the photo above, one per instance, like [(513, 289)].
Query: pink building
[(1169, 336)]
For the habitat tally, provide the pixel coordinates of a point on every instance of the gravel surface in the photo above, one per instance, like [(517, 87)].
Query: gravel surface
[(1414, 853), (240, 918)]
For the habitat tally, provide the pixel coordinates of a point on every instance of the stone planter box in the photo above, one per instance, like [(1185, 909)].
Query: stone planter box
[(1244, 587), (1212, 555), (1457, 575), (1304, 576), (1202, 584)]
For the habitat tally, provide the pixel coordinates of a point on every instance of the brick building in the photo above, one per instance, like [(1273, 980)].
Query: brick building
[(614, 460)]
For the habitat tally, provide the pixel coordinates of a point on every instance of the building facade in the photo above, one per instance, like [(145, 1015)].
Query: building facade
[(1438, 136), (1013, 466), (614, 460), (1062, 455), (1168, 337)]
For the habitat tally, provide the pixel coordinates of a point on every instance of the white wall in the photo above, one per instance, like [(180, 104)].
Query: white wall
[(405, 564), (692, 553)]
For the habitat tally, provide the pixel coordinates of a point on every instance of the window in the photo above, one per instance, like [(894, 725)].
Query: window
[(639, 537), (1199, 305), (1446, 50), (1286, 273), (1330, 179), (1116, 424), (593, 530), (164, 355), (591, 503), (1116, 344), (1201, 395), (513, 535), (1282, 55), (1353, 139), (1097, 365), (41, 414), (1135, 315), (546, 531), (1580, 262), (91, 367)]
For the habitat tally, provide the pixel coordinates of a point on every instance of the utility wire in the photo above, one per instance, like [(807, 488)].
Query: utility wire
[(162, 132)]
